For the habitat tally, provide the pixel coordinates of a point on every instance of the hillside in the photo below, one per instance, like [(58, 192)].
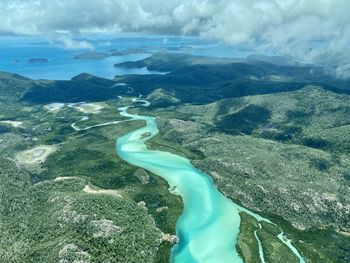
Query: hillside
[(65, 195), (192, 79), (84, 87), (197, 79), (285, 155), (274, 138)]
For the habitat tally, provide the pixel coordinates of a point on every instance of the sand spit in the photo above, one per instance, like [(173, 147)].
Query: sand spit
[(90, 190), (12, 123)]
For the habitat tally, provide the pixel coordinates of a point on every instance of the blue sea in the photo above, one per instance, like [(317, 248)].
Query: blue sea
[(15, 53)]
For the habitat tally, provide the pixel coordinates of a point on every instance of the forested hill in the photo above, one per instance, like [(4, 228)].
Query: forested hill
[(191, 79)]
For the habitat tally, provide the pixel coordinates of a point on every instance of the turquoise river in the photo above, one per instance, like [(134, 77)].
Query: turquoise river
[(209, 225)]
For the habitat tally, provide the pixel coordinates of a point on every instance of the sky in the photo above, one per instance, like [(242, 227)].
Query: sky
[(309, 30)]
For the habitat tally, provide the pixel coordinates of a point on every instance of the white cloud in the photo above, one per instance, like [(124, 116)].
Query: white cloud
[(312, 30), (69, 43), (340, 71)]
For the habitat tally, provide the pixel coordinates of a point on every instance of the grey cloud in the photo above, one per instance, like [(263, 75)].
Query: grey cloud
[(313, 30)]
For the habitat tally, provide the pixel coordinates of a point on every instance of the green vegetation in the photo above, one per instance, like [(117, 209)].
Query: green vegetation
[(247, 245), (244, 121), (91, 55), (55, 220), (162, 98), (308, 185), (275, 139), (274, 250), (195, 79), (189, 79), (84, 87), (47, 215), (317, 244)]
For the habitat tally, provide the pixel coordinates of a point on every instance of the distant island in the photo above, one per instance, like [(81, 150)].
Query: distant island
[(91, 55), (38, 60), (128, 51), (111, 53)]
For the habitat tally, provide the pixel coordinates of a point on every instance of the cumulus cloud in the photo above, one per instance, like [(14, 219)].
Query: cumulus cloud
[(311, 30), (69, 43)]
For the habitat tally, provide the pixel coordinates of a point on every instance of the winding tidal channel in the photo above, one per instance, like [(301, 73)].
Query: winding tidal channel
[(209, 225)]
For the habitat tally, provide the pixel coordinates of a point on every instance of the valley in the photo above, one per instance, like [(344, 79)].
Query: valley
[(273, 139)]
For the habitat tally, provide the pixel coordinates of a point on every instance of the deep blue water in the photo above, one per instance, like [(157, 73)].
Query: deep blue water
[(16, 51)]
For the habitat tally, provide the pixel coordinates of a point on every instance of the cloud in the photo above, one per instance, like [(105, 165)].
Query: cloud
[(339, 71), (314, 31), (69, 43)]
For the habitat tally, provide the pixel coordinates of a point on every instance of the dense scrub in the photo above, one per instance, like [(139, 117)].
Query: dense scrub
[(45, 219), (259, 152), (282, 151)]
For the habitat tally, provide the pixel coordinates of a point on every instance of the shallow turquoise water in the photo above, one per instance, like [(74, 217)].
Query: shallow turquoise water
[(206, 211), (209, 225)]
